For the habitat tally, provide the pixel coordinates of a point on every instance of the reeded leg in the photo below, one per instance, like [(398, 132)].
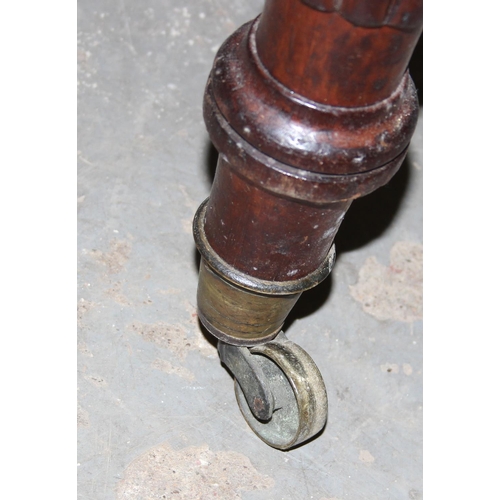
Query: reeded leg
[(310, 106)]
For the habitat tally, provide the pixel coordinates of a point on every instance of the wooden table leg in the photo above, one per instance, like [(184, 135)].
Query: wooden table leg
[(310, 106)]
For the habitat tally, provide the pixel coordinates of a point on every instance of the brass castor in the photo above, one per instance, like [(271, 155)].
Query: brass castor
[(279, 390)]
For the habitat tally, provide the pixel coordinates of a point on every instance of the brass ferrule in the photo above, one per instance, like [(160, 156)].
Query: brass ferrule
[(240, 309), (238, 316)]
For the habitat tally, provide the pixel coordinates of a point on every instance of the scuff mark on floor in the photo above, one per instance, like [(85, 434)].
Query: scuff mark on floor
[(390, 367), (172, 337), (116, 257), (393, 292), (82, 308), (366, 457), (187, 225), (82, 417), (190, 473), (82, 347), (175, 338), (192, 312), (96, 380), (115, 292), (407, 369), (170, 291), (167, 367), (414, 495), (205, 348)]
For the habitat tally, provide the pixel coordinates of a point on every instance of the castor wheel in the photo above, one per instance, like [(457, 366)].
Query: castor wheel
[(279, 389)]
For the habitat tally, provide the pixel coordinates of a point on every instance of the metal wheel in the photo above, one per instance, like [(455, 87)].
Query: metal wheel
[(298, 402)]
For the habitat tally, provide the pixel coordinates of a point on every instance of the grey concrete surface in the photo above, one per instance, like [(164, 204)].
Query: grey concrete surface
[(157, 417)]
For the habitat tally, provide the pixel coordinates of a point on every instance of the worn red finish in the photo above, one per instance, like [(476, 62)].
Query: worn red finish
[(310, 106), (353, 55)]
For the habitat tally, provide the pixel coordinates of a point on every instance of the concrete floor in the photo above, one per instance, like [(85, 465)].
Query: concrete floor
[(157, 416)]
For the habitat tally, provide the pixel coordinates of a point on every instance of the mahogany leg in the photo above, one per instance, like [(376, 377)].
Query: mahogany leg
[(310, 106)]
